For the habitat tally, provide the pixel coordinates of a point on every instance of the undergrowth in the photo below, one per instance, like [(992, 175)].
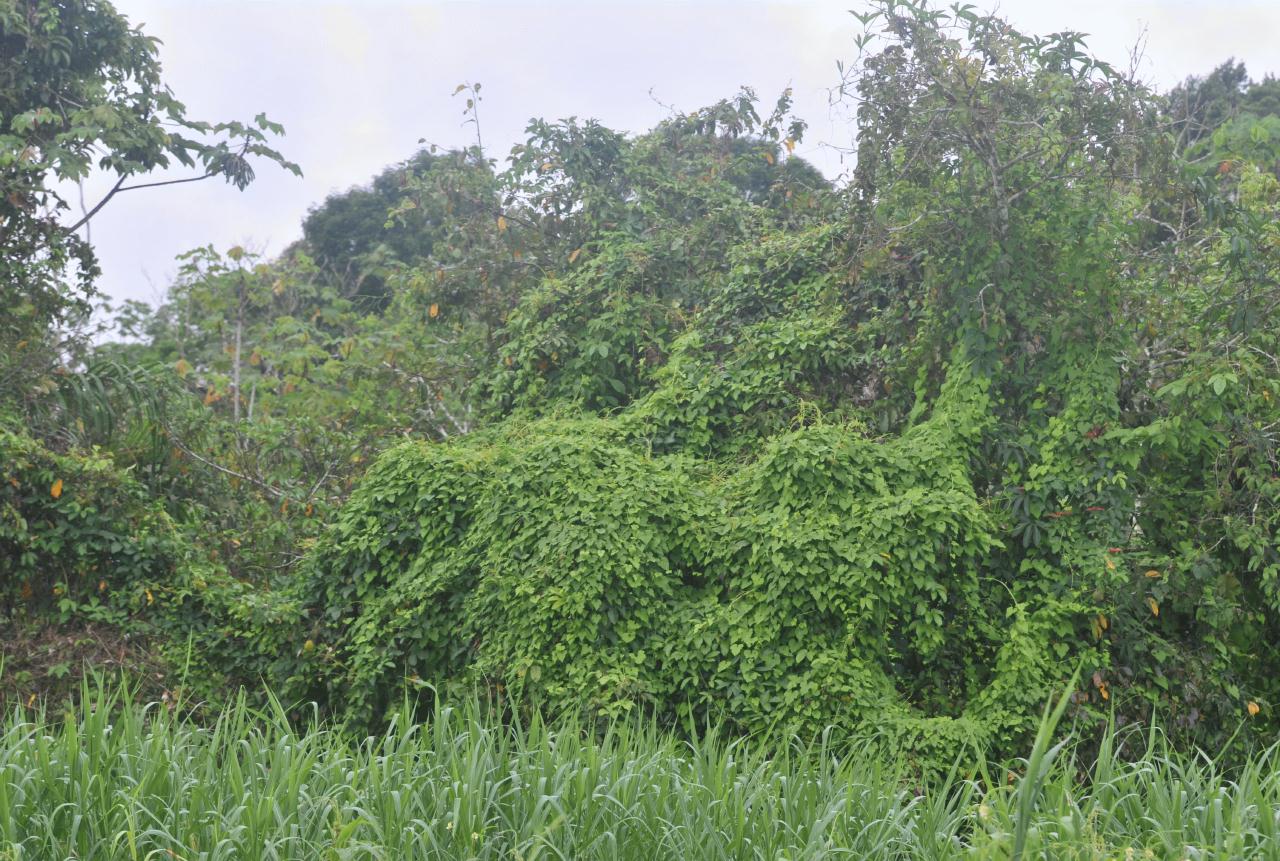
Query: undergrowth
[(115, 779)]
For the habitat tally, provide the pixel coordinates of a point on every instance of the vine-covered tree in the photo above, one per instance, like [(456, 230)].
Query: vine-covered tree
[(667, 423)]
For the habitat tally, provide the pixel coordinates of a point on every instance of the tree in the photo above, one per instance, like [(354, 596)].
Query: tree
[(80, 89), (895, 460), (1201, 104), (350, 237)]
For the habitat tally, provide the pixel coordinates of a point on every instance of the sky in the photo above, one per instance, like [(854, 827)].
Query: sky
[(358, 84)]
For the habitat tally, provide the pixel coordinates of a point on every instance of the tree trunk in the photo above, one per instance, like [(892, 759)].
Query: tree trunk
[(235, 369)]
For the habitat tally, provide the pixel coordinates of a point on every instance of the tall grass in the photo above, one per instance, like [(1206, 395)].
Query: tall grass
[(115, 781)]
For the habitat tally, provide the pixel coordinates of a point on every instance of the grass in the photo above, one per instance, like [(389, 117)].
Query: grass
[(117, 781)]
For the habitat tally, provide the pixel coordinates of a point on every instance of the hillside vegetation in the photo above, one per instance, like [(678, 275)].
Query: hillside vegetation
[(668, 426)]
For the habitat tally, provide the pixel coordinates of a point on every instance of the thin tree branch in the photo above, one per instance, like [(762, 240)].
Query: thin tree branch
[(170, 181), (120, 186), (278, 494), (101, 203)]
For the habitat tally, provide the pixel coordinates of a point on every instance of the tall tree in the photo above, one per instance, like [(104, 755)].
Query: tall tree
[(81, 89)]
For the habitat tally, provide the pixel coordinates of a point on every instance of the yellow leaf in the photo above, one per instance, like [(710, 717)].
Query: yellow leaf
[(1155, 608), (183, 367), (1111, 566), (790, 145), (433, 311), (1252, 708), (56, 490), (151, 599), (1153, 573), (574, 255), (502, 224), (102, 585), (768, 157)]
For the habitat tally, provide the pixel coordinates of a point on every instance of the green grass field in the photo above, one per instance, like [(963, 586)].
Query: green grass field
[(118, 781)]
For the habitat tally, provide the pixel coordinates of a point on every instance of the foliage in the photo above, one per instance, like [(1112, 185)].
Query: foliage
[(108, 782), (666, 424), (900, 463), (1201, 105), (80, 89), (350, 237), (76, 534), (83, 541)]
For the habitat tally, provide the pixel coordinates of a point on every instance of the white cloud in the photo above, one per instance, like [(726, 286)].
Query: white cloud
[(358, 84)]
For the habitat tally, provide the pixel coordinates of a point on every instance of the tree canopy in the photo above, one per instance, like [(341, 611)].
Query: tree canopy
[(669, 423)]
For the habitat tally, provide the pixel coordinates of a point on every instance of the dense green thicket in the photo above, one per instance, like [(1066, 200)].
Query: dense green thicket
[(897, 464), (787, 590), (668, 424)]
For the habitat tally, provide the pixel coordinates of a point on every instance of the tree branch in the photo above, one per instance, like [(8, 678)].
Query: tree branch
[(278, 494), (170, 181), (101, 203), (120, 186)]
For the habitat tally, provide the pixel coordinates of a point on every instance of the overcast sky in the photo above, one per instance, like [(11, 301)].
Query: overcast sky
[(356, 85)]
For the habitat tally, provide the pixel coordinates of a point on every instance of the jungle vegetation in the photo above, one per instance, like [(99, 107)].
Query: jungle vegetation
[(667, 426)]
